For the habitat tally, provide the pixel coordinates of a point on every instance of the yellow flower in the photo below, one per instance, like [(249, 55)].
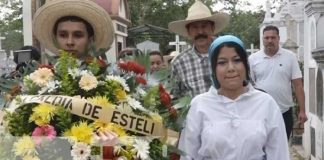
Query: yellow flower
[(116, 129), (42, 114), (82, 133), (156, 117), (101, 101), (120, 94), (100, 125), (88, 82), (24, 146), (30, 158), (41, 76)]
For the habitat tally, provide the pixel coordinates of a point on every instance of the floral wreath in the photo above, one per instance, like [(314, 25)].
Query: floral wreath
[(54, 111)]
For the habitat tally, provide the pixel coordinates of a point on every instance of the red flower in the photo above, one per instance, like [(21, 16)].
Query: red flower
[(46, 66), (123, 66), (99, 61), (165, 97), (140, 80), (102, 63), (132, 66), (173, 112), (135, 67)]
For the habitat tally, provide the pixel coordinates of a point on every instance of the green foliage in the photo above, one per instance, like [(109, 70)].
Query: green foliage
[(152, 98), (7, 84), (94, 67), (63, 119), (11, 25), (65, 62), (156, 150), (17, 121), (245, 25)]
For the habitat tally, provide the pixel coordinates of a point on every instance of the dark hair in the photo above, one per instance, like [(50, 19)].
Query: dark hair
[(34, 53), (153, 53), (74, 19), (241, 53), (269, 28)]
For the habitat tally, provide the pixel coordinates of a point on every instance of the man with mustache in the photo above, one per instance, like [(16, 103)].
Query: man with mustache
[(273, 70), (190, 69)]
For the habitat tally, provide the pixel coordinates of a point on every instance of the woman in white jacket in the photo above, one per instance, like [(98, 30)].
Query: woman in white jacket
[(233, 121)]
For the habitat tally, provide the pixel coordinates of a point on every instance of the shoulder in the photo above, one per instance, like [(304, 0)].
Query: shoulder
[(287, 52), (255, 55), (182, 57), (204, 98)]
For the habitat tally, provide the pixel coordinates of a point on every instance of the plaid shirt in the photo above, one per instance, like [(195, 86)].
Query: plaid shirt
[(191, 71)]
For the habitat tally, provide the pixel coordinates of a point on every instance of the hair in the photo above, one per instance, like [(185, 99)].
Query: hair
[(74, 19), (34, 53), (241, 53), (157, 53), (269, 28)]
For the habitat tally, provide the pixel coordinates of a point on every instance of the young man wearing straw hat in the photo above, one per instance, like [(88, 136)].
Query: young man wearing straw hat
[(74, 26), (191, 68)]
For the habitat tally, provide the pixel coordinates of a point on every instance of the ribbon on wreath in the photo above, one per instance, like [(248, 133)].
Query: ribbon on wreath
[(83, 108)]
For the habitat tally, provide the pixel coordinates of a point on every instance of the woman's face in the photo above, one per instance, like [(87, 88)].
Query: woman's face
[(73, 37), (156, 62), (230, 70)]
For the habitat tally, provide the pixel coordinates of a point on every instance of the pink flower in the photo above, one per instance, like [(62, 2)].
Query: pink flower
[(46, 131)]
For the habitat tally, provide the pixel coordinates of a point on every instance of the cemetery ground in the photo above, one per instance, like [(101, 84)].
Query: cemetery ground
[(297, 152)]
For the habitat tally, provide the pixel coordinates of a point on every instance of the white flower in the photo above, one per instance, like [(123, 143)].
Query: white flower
[(80, 151), (50, 87), (141, 147), (75, 72), (41, 76), (120, 80), (84, 72), (53, 85), (135, 104), (140, 91), (88, 82)]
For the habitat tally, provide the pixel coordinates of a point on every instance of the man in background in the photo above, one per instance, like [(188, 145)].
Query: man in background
[(274, 70)]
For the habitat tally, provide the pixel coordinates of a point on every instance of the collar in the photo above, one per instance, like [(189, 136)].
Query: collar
[(220, 98), (277, 54), (197, 54)]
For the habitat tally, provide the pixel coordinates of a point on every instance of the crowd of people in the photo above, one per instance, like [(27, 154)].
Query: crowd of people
[(241, 106)]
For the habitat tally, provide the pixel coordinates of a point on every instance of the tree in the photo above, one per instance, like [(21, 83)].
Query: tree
[(11, 25), (245, 24), (160, 13)]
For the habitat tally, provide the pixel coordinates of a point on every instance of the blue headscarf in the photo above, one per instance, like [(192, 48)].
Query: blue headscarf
[(214, 49)]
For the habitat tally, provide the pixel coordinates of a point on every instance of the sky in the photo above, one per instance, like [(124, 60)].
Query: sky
[(253, 7)]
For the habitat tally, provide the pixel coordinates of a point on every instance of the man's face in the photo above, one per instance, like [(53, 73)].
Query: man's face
[(73, 37), (271, 42), (201, 32)]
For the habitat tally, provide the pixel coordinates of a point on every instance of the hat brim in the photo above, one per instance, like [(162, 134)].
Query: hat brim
[(220, 20), (46, 17)]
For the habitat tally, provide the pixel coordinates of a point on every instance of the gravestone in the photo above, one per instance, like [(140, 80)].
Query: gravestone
[(148, 46)]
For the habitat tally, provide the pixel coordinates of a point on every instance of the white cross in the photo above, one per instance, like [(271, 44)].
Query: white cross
[(1, 38), (178, 43), (252, 49)]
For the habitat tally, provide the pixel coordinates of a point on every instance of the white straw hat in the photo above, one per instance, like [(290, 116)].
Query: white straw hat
[(199, 12), (47, 15)]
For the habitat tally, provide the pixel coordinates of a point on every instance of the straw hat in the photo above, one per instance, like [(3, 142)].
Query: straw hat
[(46, 16), (199, 12)]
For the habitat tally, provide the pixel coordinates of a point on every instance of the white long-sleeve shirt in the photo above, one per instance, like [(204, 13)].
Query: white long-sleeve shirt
[(250, 127)]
